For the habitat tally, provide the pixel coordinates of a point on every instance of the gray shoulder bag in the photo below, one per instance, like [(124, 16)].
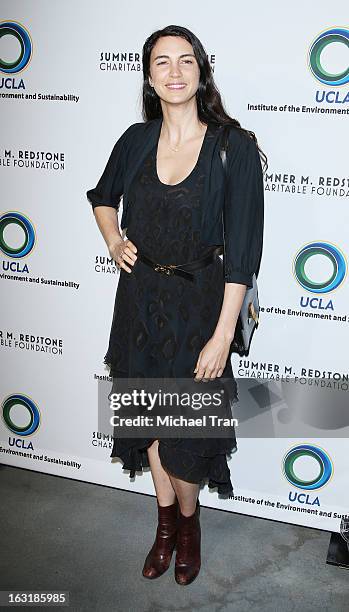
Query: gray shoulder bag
[(249, 313)]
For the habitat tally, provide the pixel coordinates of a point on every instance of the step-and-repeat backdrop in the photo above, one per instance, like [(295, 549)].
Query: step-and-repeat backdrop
[(70, 84)]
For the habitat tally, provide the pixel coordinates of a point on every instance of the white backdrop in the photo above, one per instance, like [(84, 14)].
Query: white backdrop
[(63, 105)]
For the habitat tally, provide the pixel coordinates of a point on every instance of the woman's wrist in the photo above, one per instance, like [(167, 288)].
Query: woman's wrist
[(115, 241), (224, 334)]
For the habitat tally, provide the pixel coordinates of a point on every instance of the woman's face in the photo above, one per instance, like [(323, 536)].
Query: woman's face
[(174, 71)]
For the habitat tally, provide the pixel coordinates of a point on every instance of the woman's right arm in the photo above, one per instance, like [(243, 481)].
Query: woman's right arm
[(105, 201), (120, 250)]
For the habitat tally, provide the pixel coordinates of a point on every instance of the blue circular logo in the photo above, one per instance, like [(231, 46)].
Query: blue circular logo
[(333, 35), (33, 413), (333, 254), (317, 454), (26, 225), (15, 29)]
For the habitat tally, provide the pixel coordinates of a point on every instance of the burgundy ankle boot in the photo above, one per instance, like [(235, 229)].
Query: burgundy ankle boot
[(188, 558), (160, 554)]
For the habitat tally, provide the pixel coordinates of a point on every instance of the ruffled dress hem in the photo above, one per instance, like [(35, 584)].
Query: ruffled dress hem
[(135, 459)]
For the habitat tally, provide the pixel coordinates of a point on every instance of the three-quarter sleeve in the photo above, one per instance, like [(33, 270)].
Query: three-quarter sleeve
[(110, 186), (243, 213)]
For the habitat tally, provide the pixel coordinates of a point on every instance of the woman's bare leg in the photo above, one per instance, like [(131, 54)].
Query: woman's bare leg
[(167, 487), (187, 494), (163, 487)]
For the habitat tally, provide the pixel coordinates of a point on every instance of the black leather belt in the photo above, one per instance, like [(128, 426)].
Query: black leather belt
[(184, 270)]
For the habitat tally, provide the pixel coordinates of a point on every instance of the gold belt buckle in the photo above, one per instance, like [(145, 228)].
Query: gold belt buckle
[(165, 269)]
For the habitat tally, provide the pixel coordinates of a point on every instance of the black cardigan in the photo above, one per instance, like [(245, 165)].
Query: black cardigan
[(240, 198)]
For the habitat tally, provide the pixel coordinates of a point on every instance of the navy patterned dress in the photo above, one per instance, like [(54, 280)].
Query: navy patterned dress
[(161, 323)]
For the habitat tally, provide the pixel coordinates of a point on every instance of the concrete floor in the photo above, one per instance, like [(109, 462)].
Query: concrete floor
[(92, 540)]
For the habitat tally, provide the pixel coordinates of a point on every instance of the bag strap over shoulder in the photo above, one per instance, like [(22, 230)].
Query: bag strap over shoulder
[(224, 146)]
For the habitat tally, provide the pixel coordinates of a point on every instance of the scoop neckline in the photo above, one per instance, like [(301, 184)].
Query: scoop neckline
[(191, 172)]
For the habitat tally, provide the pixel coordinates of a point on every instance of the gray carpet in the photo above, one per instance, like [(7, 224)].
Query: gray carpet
[(92, 540)]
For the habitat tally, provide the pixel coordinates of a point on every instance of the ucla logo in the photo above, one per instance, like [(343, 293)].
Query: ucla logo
[(11, 421), (332, 254), (17, 220), (19, 63), (325, 472), (334, 35), (314, 453)]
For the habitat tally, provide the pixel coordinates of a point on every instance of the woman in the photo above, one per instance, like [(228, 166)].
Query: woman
[(170, 175)]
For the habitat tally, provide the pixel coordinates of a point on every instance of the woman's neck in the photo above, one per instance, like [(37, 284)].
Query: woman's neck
[(181, 124)]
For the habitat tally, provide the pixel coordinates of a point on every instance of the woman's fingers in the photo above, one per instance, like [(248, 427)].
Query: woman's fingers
[(211, 374), (124, 266), (207, 373), (127, 255), (130, 250), (203, 373), (121, 263), (128, 258), (211, 361), (198, 362), (131, 245)]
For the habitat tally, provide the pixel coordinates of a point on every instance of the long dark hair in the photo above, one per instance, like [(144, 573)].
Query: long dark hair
[(209, 103)]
